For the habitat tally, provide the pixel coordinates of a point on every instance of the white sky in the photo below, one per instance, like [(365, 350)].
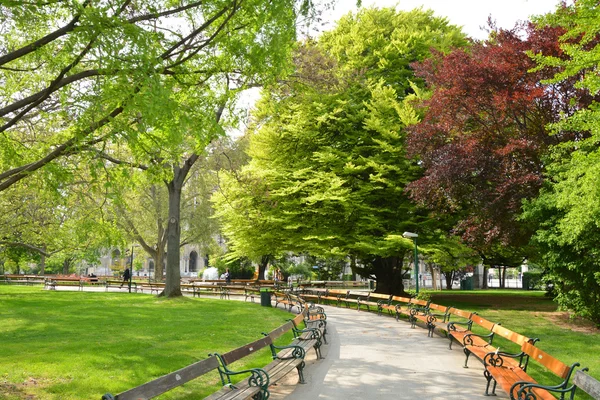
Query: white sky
[(470, 14)]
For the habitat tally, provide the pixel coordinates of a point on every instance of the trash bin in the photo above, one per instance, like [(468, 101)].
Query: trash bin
[(371, 284), (466, 283), (525, 282), (265, 297)]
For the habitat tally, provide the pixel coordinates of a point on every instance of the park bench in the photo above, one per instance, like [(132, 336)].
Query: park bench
[(52, 283), (586, 383), (251, 292), (117, 284), (416, 310), (332, 295), (285, 359), (514, 379), (23, 279), (458, 331), (373, 300), (308, 337), (152, 287), (394, 304), (287, 300), (481, 345), (459, 317), (431, 314)]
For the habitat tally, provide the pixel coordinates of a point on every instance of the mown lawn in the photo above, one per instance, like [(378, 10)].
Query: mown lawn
[(533, 315), (80, 345)]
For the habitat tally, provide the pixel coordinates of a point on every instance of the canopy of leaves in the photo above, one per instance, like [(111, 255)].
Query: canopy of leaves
[(568, 208), (329, 167), (483, 136)]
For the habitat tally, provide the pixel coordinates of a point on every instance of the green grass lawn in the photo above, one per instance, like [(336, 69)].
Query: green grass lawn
[(80, 345), (533, 315)]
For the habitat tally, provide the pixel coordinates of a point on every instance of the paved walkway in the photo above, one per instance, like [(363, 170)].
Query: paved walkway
[(377, 357)]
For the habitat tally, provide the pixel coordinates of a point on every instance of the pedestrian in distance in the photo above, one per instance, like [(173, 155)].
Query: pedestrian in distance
[(126, 277)]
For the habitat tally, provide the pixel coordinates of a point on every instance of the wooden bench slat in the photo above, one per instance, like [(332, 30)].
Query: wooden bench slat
[(243, 351), (170, 381), (587, 383), (558, 367)]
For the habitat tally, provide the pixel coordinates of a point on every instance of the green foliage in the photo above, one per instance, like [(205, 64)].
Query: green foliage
[(532, 280), (568, 207), (328, 163)]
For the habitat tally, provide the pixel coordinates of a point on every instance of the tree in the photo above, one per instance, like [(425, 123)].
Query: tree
[(567, 208), (450, 255), (328, 165), (483, 136), (118, 74)]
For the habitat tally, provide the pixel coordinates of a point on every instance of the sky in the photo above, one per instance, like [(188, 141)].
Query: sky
[(470, 14)]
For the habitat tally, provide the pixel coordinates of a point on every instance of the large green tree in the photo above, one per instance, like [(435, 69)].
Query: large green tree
[(157, 77), (329, 168), (568, 208)]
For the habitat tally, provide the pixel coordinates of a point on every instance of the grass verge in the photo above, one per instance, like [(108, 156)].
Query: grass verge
[(80, 345)]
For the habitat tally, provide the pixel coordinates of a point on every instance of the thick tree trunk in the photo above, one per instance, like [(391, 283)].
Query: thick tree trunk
[(388, 273), (262, 266), (172, 284), (449, 278)]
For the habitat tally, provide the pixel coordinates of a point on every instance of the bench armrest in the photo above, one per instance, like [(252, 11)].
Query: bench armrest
[(315, 332), (495, 358), (452, 327), (258, 376), (467, 339), (298, 352), (522, 388)]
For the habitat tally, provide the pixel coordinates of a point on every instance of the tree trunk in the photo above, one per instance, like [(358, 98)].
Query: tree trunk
[(388, 273), (486, 273), (159, 263), (449, 278), (262, 266), (503, 277), (430, 267), (173, 281), (66, 266), (43, 262)]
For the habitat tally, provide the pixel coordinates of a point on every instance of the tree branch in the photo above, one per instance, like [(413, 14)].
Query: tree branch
[(43, 41)]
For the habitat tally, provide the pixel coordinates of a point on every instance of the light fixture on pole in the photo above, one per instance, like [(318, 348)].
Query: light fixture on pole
[(414, 236)]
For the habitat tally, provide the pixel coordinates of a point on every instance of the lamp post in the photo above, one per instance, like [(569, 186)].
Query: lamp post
[(131, 269), (414, 236)]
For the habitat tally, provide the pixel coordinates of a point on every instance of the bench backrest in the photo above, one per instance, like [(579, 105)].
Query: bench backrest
[(298, 319), (167, 382), (556, 366), (510, 335), (243, 351), (460, 313), (586, 383), (419, 302), (276, 333), (438, 307), (484, 323), (401, 299)]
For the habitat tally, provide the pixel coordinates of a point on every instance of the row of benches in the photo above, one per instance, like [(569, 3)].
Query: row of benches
[(196, 289), (476, 334), (256, 381)]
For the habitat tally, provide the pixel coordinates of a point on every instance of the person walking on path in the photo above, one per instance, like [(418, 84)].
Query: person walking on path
[(126, 277)]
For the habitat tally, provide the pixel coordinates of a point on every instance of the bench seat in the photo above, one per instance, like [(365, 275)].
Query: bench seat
[(515, 380)]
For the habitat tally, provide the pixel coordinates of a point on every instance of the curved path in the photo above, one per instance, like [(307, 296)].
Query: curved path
[(377, 357)]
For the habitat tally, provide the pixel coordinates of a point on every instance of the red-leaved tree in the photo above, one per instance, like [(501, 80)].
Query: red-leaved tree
[(484, 133)]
